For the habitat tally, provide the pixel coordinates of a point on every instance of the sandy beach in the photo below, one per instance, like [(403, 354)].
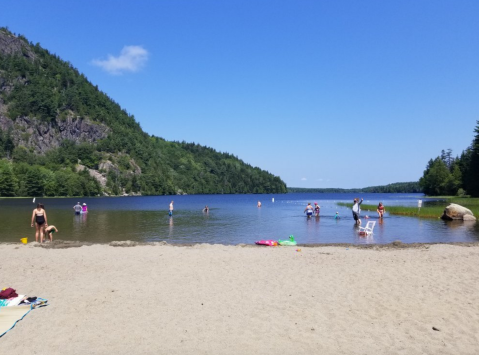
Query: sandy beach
[(215, 299)]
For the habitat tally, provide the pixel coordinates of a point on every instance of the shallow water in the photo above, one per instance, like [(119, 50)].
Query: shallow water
[(232, 219)]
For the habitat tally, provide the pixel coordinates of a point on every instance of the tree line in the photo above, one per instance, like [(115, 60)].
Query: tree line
[(453, 176), (398, 187)]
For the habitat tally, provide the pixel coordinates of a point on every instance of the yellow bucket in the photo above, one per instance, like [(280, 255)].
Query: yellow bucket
[(24, 240)]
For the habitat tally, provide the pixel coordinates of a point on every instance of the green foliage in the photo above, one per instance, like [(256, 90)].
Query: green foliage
[(34, 182), (6, 143), (435, 179), (47, 88), (451, 176), (23, 179), (7, 179), (471, 175)]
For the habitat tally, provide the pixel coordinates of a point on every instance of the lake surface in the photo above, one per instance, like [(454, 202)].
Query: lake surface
[(233, 219)]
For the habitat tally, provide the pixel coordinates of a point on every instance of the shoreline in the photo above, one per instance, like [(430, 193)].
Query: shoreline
[(65, 244)]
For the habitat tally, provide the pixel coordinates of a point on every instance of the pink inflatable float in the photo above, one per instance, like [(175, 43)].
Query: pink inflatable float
[(270, 243)]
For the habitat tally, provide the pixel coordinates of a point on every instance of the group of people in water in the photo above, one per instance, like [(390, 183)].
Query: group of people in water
[(79, 209), (42, 229), (310, 210), (39, 219), (357, 210), (206, 209)]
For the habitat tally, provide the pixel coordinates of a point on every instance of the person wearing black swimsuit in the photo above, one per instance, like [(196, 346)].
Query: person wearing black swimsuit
[(39, 217)]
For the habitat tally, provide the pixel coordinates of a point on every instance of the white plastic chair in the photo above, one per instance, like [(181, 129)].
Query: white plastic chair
[(368, 229)]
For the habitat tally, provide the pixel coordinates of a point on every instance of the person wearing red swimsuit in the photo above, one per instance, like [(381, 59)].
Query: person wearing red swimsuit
[(381, 210)]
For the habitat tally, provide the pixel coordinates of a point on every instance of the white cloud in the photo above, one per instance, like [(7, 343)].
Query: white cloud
[(303, 179), (131, 59)]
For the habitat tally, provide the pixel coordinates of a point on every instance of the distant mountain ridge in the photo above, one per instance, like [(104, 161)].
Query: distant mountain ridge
[(61, 136), (398, 187)]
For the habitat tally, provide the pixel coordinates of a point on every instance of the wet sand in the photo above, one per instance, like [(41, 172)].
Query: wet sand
[(215, 299)]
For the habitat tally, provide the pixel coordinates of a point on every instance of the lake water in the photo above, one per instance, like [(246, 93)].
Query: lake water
[(233, 219)]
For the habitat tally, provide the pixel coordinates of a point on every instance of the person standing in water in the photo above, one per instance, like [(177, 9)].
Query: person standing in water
[(39, 217), (357, 210), (259, 203), (206, 209), (84, 208), (381, 210), (170, 213), (316, 209), (77, 208), (309, 210)]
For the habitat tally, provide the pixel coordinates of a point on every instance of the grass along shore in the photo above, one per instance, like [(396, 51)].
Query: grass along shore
[(426, 211)]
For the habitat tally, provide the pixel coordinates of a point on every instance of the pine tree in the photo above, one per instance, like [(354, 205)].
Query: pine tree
[(436, 178), (34, 183), (472, 178), (7, 181)]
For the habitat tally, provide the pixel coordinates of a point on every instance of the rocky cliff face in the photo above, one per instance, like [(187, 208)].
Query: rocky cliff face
[(13, 45), (31, 132), (42, 136)]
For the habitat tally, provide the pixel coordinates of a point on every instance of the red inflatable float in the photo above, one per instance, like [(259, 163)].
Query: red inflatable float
[(270, 243)]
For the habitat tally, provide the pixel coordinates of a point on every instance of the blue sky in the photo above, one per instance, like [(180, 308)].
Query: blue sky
[(321, 93)]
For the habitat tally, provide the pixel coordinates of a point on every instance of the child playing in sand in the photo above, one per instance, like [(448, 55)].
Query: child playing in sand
[(50, 230)]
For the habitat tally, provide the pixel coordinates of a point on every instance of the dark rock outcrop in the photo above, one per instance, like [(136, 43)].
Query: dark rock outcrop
[(14, 45), (42, 136), (31, 132)]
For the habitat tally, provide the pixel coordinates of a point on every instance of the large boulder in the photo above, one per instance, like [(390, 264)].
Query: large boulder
[(454, 211)]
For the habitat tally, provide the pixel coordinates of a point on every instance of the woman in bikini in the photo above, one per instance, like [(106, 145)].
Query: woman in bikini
[(381, 210), (39, 217)]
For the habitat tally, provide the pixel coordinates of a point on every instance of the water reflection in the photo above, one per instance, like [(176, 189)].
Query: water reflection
[(170, 229), (235, 219)]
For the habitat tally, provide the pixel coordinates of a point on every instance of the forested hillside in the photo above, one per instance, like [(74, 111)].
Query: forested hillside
[(61, 136), (449, 175)]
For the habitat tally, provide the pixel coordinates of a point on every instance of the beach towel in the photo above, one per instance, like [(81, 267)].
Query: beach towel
[(15, 301), (9, 316)]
